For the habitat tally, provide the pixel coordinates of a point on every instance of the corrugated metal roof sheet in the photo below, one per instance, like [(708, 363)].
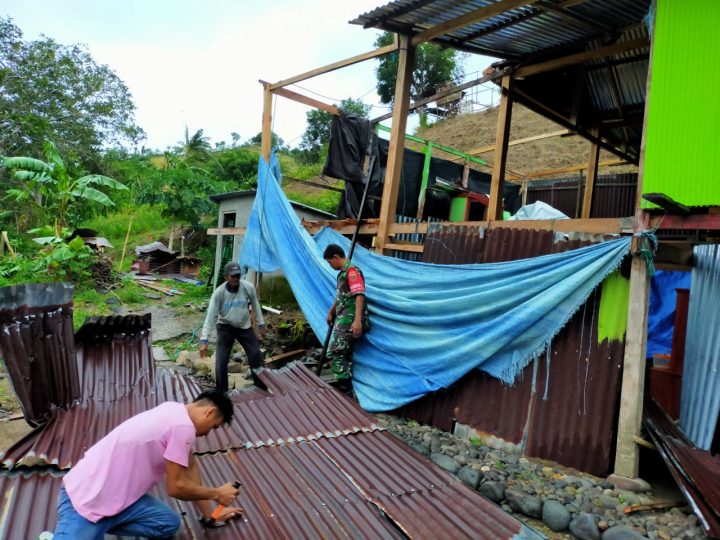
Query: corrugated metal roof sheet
[(36, 342), (572, 423), (700, 403), (696, 471), (519, 32), (312, 463)]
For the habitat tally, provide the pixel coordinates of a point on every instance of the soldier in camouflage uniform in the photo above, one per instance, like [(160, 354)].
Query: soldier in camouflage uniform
[(348, 314)]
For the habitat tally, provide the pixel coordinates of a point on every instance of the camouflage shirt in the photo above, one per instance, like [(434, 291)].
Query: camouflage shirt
[(350, 283)]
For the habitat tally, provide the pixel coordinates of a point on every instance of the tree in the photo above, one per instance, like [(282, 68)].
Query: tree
[(50, 185), (58, 92), (277, 141), (434, 67), (317, 133)]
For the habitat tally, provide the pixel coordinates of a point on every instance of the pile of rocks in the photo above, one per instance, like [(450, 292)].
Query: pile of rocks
[(587, 507)]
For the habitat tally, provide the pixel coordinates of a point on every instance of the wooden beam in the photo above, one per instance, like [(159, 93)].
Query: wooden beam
[(633, 375), (459, 88), (541, 136), (696, 222), (335, 65), (225, 231), (542, 109), (591, 175), (495, 208), (266, 133), (580, 57), (473, 17), (594, 226), (396, 150), (284, 92), (575, 168), (413, 248)]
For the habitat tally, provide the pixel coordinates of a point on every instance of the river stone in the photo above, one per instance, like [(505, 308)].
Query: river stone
[(469, 476), (584, 527), (555, 516), (620, 532), (446, 462), (420, 448), (524, 504), (495, 491)]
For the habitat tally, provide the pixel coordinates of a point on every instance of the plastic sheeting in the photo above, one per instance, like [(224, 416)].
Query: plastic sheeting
[(431, 324), (661, 313), (538, 210)]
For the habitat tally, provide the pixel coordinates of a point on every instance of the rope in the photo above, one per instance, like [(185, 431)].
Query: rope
[(648, 246)]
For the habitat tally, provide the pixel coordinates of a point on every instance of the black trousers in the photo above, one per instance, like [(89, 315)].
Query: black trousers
[(226, 337)]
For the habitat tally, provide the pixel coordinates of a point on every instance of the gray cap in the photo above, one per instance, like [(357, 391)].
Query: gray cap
[(232, 269)]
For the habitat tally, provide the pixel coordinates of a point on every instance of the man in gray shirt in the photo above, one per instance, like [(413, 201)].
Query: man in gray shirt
[(229, 310)]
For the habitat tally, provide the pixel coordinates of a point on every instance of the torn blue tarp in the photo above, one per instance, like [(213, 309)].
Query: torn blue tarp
[(431, 324)]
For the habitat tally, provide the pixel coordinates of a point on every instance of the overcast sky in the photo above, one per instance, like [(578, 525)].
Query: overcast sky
[(197, 63)]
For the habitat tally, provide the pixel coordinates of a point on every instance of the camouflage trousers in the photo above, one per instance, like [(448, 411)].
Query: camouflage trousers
[(340, 351)]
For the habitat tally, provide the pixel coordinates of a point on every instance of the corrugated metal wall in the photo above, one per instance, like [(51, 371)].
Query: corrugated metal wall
[(573, 410), (681, 158), (614, 195), (700, 403)]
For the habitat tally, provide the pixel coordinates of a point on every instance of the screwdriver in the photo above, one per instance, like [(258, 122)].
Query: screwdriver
[(220, 507)]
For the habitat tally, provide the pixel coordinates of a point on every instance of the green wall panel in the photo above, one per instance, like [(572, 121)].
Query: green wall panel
[(682, 145)]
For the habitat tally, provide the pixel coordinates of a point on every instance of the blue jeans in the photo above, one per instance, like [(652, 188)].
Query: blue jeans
[(146, 517)]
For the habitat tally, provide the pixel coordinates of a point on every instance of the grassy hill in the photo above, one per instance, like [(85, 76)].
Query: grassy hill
[(471, 131)]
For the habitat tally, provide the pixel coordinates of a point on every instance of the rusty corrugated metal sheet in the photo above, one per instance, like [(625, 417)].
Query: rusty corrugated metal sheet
[(403, 486), (696, 471), (573, 411), (36, 342), (312, 463), (614, 195), (575, 423)]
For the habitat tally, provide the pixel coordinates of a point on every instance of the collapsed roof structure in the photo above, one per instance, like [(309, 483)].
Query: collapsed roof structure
[(311, 462)]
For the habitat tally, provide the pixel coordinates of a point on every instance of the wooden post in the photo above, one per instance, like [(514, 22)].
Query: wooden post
[(633, 378), (266, 140), (632, 392), (591, 173), (127, 237), (495, 208), (406, 57)]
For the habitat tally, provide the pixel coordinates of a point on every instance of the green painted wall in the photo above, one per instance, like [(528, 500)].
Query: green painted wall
[(612, 317), (682, 145)]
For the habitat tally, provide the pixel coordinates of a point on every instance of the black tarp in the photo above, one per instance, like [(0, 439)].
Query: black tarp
[(345, 162)]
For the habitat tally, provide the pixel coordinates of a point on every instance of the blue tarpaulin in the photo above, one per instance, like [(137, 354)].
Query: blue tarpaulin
[(431, 324), (661, 312)]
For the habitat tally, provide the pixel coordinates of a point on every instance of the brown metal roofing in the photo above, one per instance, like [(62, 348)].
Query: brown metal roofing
[(696, 471), (614, 195), (311, 462), (36, 342), (573, 423)]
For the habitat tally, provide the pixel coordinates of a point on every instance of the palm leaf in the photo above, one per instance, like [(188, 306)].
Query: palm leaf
[(99, 179), (30, 176), (28, 164), (92, 194), (53, 155)]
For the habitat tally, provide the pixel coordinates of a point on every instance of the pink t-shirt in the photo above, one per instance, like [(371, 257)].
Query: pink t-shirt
[(125, 464)]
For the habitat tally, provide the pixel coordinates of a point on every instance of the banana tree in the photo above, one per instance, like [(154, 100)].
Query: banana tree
[(49, 185)]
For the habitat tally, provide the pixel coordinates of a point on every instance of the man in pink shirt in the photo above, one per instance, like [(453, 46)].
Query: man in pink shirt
[(106, 491)]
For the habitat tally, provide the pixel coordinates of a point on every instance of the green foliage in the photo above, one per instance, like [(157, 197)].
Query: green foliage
[(327, 201), (476, 441), (50, 186), (239, 166), (412, 423), (277, 141), (317, 133), (49, 90), (434, 66)]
